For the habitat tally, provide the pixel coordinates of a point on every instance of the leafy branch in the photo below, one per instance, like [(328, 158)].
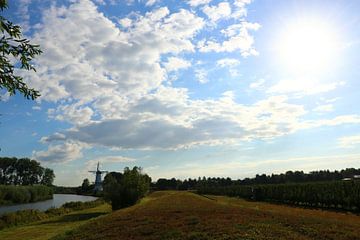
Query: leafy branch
[(13, 45)]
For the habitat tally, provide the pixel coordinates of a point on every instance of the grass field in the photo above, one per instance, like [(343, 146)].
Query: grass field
[(52, 227), (183, 215)]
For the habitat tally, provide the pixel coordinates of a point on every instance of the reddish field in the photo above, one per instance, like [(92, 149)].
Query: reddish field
[(184, 215)]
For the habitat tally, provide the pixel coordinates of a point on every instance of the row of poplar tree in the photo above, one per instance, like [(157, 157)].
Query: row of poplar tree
[(343, 195)]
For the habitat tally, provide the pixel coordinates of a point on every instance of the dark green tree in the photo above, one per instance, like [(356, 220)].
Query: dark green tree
[(14, 47), (48, 177), (85, 185), (24, 171), (126, 189)]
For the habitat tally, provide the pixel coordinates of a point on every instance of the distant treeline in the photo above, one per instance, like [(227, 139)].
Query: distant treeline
[(344, 195), (23, 171), (315, 189), (80, 190), (288, 177), (10, 194)]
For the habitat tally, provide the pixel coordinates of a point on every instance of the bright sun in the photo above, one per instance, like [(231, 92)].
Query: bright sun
[(307, 46)]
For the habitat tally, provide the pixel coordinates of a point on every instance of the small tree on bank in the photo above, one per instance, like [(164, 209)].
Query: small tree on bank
[(125, 189)]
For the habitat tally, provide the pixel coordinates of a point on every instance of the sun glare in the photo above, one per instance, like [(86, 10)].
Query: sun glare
[(307, 47)]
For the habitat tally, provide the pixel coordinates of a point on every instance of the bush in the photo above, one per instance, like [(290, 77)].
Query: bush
[(10, 194), (21, 217), (125, 189), (82, 205)]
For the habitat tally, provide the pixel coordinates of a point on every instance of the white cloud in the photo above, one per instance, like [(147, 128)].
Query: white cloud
[(23, 12), (238, 39), (151, 2), (174, 64), (4, 96), (58, 153), (303, 87), (201, 76), (108, 82), (125, 22), (101, 2), (339, 120), (36, 108), (54, 137), (73, 113), (195, 3), (258, 85), (231, 63), (228, 62), (177, 122), (96, 64), (331, 100), (91, 164), (349, 141), (228, 96), (240, 8), (215, 13), (324, 108)]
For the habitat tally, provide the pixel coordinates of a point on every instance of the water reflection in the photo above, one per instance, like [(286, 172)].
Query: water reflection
[(57, 201)]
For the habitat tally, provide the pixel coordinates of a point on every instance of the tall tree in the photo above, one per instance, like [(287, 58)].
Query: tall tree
[(48, 177), (125, 189), (24, 171), (14, 47)]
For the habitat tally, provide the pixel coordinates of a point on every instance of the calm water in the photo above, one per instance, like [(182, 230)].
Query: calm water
[(57, 201)]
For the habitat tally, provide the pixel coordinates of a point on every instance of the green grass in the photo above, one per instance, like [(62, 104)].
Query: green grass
[(182, 215), (55, 226), (172, 215)]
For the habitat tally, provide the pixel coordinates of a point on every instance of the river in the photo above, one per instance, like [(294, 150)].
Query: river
[(57, 201)]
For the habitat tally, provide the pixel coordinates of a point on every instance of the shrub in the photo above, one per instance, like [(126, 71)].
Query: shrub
[(125, 189), (10, 194), (82, 205), (21, 217)]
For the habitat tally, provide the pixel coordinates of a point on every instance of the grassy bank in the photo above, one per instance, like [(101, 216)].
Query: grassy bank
[(10, 194), (57, 225), (28, 216), (184, 215)]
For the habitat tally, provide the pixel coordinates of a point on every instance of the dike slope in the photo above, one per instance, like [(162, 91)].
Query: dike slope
[(184, 215)]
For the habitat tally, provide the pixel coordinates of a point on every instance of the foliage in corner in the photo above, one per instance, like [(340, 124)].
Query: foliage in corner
[(14, 47)]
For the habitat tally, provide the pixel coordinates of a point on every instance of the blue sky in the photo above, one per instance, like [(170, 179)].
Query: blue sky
[(187, 88)]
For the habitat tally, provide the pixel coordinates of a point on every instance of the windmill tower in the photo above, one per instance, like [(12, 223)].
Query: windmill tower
[(98, 181)]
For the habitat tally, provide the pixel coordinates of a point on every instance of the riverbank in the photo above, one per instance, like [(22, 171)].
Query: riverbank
[(58, 225), (57, 201), (10, 194), (31, 215)]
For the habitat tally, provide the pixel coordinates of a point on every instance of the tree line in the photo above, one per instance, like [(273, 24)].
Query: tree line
[(282, 178), (344, 195), (315, 189), (10, 194), (24, 171)]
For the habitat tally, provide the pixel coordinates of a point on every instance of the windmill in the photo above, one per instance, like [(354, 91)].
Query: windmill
[(98, 182)]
